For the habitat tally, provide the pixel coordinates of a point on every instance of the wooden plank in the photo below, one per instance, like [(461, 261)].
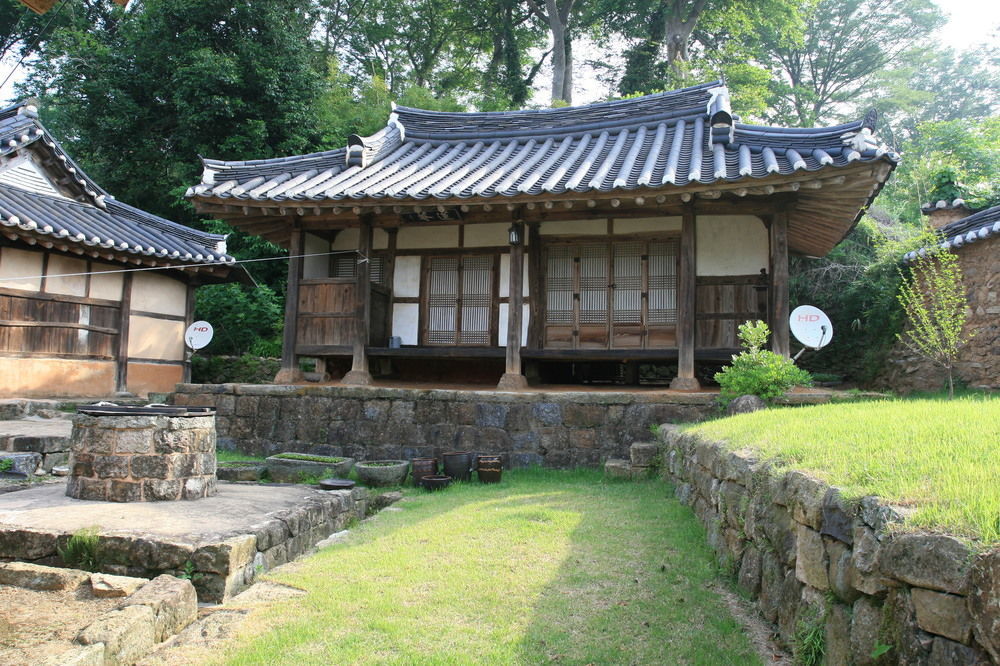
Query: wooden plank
[(390, 276), (121, 369), (779, 282), (512, 378), (686, 299), (536, 287), (188, 320), (59, 298), (59, 324)]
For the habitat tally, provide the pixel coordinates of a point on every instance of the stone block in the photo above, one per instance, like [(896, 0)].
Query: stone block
[(942, 614), (127, 634), (82, 655), (107, 586), (838, 635), (577, 415), (81, 464), (87, 489), (151, 467), (866, 623), (111, 467), (618, 468), (161, 490), (837, 521), (28, 443), (950, 653), (51, 461), (803, 495), (173, 601), (841, 574), (157, 554), (933, 561), (911, 645), (644, 454), (131, 441), (547, 413), (749, 574), (984, 601), (810, 560), (37, 577), (23, 463), (124, 491), (225, 556)]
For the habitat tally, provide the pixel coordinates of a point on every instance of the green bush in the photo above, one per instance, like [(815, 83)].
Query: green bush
[(82, 550), (245, 369), (757, 371)]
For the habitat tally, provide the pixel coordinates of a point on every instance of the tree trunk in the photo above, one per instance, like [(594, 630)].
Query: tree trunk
[(558, 57), (567, 89)]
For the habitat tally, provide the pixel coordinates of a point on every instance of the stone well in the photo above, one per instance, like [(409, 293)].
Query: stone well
[(128, 458)]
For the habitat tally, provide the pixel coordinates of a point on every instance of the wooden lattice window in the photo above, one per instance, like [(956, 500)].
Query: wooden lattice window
[(345, 267), (459, 300), (662, 308)]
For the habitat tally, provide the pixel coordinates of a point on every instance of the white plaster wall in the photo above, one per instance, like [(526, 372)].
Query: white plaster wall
[(406, 279), (155, 338), (158, 293), (380, 239), (502, 327), (647, 224), (416, 238), (70, 286), (20, 263), (574, 227), (486, 235), (505, 276), (405, 319), (731, 245), (107, 286), (346, 239), (316, 267)]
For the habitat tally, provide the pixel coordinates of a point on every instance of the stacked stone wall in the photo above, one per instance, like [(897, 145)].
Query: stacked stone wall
[(810, 559), (978, 365), (554, 429)]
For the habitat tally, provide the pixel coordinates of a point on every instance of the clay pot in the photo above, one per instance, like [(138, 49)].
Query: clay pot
[(458, 465), (489, 469), (421, 467), (436, 482)]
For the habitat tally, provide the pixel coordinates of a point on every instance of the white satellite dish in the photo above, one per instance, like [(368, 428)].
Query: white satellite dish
[(811, 326), (198, 334)]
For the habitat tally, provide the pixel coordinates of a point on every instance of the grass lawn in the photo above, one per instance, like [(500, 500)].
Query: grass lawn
[(938, 456), (224, 455), (544, 567)]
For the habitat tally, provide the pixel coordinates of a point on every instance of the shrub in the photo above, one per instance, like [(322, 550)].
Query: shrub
[(82, 550), (757, 371)]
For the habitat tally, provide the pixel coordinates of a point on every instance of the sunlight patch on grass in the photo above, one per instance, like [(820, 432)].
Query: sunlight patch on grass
[(941, 457), (543, 567)]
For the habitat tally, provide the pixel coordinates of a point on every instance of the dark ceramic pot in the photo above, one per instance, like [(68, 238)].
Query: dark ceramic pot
[(489, 469), (436, 482), (458, 465), (421, 467)]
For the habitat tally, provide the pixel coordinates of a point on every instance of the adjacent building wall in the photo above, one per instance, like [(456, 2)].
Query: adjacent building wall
[(979, 361)]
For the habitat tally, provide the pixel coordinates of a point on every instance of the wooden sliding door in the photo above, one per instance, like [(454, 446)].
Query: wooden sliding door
[(458, 300), (611, 295)]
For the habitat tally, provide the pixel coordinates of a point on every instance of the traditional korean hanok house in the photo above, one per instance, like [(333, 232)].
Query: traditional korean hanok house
[(72, 323), (642, 230)]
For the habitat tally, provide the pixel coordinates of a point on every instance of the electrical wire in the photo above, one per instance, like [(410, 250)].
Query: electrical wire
[(361, 260), (31, 49)]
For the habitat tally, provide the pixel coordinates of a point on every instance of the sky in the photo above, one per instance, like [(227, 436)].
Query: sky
[(971, 22)]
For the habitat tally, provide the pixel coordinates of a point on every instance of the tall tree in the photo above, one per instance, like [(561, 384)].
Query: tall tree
[(847, 43), (560, 18)]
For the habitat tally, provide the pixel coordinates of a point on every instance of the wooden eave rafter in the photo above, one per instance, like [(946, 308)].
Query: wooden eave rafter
[(215, 271), (816, 195)]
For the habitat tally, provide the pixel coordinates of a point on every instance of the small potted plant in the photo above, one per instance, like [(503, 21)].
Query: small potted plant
[(382, 472)]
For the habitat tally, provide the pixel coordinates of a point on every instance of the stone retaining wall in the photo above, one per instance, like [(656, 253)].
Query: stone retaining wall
[(555, 429), (219, 567), (810, 559)]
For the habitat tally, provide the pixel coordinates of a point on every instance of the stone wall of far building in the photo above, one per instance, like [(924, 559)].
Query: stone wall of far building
[(979, 363)]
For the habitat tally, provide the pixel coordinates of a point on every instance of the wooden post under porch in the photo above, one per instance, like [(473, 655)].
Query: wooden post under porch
[(686, 296), (359, 374), (289, 372), (512, 378)]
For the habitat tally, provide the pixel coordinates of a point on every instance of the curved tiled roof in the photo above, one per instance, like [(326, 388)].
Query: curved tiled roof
[(673, 139), (978, 226), (91, 217)]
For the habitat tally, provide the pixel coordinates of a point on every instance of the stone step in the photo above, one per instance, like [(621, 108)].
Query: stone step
[(49, 438)]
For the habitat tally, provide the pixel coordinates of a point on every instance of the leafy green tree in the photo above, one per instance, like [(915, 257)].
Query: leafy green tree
[(847, 43), (933, 298)]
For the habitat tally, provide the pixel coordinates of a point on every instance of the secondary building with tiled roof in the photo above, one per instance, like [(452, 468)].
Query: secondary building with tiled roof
[(75, 319), (664, 189)]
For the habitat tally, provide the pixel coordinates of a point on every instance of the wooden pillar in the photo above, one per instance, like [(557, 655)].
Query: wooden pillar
[(124, 314), (390, 276), (359, 375), (289, 372), (686, 295), (536, 289), (512, 379), (779, 282), (188, 320)]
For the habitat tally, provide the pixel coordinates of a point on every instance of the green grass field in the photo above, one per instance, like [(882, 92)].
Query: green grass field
[(544, 567), (938, 456)]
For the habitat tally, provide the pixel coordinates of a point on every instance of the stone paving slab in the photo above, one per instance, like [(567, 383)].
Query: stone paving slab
[(36, 428)]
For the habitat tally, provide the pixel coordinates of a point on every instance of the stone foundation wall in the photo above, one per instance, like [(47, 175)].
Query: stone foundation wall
[(979, 362), (142, 458), (555, 429), (808, 558), (219, 567)]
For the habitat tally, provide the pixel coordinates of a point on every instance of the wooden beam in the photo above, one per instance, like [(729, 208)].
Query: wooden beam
[(124, 313), (390, 276), (188, 320), (536, 313), (686, 295), (779, 282), (359, 375), (289, 372), (512, 378)]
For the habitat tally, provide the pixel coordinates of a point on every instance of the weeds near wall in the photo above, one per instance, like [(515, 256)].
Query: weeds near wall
[(82, 550), (809, 642)]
